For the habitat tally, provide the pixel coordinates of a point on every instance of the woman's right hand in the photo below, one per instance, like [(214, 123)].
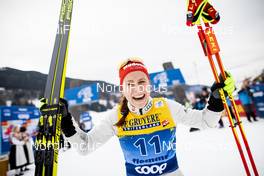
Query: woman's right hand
[(67, 126)]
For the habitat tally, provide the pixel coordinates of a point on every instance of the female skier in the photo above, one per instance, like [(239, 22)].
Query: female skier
[(145, 126)]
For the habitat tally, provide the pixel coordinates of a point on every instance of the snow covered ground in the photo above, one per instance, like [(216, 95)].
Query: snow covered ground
[(209, 152)]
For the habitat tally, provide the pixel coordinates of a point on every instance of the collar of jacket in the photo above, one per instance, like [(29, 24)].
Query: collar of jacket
[(140, 111)]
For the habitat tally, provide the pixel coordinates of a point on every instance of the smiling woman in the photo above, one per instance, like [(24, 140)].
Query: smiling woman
[(142, 124)]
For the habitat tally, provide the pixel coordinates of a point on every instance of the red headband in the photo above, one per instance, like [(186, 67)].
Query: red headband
[(132, 66)]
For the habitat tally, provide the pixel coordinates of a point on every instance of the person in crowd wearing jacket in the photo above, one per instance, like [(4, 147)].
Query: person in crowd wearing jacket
[(28, 147), (245, 96), (17, 157)]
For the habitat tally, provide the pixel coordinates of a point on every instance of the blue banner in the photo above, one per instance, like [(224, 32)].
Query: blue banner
[(167, 78), (18, 112), (82, 94), (13, 116), (258, 99)]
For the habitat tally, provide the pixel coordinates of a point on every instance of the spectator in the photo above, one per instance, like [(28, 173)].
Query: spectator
[(245, 97), (17, 158), (28, 147)]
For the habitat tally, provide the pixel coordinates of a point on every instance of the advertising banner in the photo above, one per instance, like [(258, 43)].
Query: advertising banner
[(13, 116), (81, 95), (258, 99), (167, 78)]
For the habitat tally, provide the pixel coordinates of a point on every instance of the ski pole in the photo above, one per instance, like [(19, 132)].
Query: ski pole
[(241, 129), (237, 116), (210, 47)]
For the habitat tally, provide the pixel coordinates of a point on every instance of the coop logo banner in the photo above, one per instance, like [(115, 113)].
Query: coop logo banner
[(167, 78), (81, 95)]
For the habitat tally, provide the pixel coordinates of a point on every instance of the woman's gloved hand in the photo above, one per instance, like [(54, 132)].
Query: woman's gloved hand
[(67, 126), (215, 102), (228, 86)]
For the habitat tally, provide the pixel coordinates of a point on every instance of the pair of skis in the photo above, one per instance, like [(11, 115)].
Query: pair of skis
[(49, 128), (211, 48)]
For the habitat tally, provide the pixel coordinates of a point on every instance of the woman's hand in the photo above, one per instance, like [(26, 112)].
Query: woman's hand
[(215, 103), (67, 126), (228, 86)]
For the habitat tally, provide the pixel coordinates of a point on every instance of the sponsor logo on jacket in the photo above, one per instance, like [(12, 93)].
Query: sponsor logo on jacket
[(153, 169), (145, 122)]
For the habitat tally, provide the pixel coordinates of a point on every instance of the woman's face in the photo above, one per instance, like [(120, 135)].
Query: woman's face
[(136, 88)]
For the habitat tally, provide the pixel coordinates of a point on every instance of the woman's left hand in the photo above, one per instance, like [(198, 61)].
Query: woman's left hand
[(228, 85)]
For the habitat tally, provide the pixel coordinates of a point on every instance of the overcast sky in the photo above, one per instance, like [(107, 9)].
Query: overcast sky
[(104, 32)]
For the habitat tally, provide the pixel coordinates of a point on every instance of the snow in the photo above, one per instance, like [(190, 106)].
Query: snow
[(208, 152)]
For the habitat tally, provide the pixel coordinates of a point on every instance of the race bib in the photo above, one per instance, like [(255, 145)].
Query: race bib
[(148, 141)]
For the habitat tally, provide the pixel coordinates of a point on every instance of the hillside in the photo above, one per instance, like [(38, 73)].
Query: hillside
[(11, 78), (21, 87)]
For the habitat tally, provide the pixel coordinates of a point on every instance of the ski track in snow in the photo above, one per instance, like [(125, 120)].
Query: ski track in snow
[(208, 152)]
